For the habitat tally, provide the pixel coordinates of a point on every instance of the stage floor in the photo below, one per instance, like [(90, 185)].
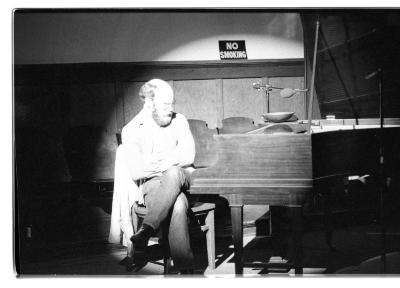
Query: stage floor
[(358, 251)]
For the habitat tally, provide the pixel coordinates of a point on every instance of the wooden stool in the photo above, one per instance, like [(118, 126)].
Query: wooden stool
[(203, 212)]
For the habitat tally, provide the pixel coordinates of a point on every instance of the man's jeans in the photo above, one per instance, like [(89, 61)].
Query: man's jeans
[(165, 200)]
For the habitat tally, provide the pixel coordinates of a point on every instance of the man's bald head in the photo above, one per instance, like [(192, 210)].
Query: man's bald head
[(153, 88), (158, 95)]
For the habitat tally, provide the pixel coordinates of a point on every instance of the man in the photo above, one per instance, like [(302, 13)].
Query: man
[(160, 150)]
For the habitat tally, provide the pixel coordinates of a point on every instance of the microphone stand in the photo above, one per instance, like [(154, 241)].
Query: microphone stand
[(382, 177), (379, 76), (267, 89)]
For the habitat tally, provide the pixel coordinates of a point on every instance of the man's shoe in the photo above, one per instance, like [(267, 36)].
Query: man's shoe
[(129, 264), (140, 240), (143, 235)]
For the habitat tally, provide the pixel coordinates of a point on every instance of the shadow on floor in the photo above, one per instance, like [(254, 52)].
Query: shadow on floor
[(358, 247)]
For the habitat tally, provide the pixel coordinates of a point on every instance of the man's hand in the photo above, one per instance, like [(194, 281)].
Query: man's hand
[(165, 164), (160, 163)]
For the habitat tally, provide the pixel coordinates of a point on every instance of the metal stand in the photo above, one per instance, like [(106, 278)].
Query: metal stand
[(382, 170), (311, 95), (382, 177), (267, 89)]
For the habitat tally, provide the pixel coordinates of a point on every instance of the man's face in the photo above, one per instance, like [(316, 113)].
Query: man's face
[(163, 106)]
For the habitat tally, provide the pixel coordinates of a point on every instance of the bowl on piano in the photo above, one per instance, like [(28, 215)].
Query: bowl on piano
[(277, 117)]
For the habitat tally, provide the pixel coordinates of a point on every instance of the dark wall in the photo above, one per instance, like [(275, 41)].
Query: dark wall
[(352, 45)]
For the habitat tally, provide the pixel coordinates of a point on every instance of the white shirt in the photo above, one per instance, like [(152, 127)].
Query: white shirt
[(151, 149)]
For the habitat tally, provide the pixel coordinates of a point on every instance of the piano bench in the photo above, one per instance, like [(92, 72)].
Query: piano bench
[(203, 212)]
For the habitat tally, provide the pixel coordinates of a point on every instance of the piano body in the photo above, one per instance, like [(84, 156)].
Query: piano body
[(285, 169)]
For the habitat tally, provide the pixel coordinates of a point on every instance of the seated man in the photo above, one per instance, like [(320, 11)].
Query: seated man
[(159, 150)]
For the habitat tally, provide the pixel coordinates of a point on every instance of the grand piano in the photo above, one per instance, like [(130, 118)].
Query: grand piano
[(286, 169)]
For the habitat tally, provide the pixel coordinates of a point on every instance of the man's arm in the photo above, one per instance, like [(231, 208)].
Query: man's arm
[(185, 150), (184, 153), (139, 166)]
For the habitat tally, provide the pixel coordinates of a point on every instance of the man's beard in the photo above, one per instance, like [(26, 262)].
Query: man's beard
[(162, 120)]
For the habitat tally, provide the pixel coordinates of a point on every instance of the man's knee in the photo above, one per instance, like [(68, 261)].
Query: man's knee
[(175, 173), (181, 204)]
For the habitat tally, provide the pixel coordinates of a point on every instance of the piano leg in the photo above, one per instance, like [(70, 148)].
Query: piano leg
[(237, 231), (328, 219), (296, 214)]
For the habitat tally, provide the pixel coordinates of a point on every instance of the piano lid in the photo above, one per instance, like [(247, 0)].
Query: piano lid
[(351, 45)]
